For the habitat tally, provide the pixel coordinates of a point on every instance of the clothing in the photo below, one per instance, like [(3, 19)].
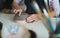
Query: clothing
[(5, 4), (18, 1), (30, 10)]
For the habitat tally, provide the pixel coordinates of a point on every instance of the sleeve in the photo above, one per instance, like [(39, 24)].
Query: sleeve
[(18, 1), (8, 3), (30, 9)]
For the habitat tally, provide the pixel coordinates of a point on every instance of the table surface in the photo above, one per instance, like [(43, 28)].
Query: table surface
[(38, 27)]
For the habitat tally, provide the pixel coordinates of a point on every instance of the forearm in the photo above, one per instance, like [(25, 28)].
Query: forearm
[(15, 5)]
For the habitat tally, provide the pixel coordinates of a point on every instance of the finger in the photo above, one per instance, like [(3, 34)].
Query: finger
[(14, 10), (29, 19), (20, 12), (36, 20), (17, 11)]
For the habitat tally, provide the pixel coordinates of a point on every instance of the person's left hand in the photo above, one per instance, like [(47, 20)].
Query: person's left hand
[(32, 18)]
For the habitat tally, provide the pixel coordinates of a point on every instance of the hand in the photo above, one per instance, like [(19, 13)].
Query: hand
[(17, 11), (33, 18)]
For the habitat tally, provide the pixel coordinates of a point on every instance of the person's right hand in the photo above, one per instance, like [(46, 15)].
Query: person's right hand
[(18, 11)]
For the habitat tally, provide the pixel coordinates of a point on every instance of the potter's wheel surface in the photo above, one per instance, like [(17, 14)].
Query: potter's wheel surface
[(38, 27)]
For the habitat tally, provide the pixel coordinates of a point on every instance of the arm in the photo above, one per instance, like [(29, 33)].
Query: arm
[(17, 8), (15, 5)]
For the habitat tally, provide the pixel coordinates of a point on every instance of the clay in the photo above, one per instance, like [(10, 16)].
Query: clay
[(22, 17)]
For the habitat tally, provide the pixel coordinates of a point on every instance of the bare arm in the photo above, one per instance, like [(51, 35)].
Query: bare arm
[(17, 8), (15, 5)]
